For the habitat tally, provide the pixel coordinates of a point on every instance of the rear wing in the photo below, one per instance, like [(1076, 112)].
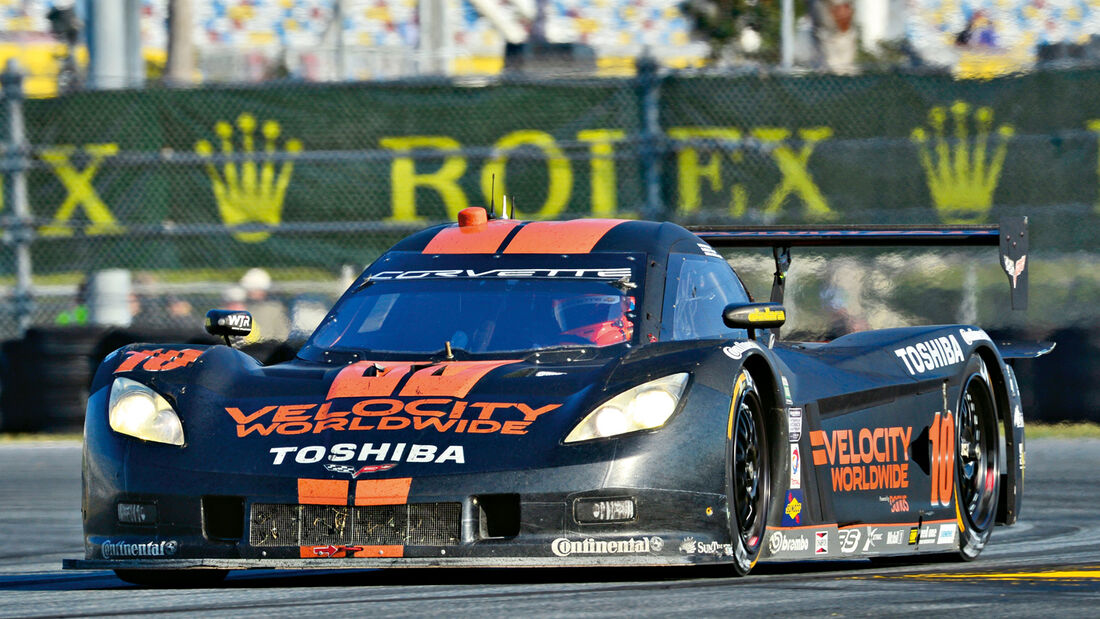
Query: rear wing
[(1010, 235)]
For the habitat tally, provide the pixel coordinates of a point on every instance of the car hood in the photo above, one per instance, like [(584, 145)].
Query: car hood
[(392, 417)]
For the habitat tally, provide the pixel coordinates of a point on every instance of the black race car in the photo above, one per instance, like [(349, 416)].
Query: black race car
[(591, 392)]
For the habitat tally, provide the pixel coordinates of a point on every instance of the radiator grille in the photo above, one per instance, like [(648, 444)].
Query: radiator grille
[(422, 524)]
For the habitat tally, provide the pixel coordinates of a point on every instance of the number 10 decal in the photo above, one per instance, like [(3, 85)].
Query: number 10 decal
[(942, 437)]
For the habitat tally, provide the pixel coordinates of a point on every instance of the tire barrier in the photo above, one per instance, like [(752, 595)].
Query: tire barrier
[(44, 377)]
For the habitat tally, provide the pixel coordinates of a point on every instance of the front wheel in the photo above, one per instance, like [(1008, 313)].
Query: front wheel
[(977, 463), (747, 488)]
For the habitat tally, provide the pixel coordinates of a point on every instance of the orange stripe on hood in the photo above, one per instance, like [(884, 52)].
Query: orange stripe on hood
[(382, 491), (323, 491), (560, 237), (478, 239)]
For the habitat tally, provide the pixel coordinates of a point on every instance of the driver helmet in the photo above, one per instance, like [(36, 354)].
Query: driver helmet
[(598, 318)]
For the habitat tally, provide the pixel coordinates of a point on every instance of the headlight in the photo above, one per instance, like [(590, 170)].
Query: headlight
[(137, 410), (644, 407)]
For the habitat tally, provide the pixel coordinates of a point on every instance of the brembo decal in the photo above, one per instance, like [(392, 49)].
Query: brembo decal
[(930, 354), (390, 396), (159, 360), (867, 459)]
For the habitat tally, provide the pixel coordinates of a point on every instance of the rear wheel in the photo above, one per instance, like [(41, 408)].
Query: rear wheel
[(748, 484), (977, 461), (173, 579)]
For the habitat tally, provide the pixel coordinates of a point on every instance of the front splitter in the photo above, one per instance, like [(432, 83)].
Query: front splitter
[(372, 563)]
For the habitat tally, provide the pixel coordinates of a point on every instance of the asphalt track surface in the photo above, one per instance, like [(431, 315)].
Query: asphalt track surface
[(1049, 564)]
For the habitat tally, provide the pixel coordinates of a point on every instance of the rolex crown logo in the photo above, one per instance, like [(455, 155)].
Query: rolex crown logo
[(961, 173), (251, 191)]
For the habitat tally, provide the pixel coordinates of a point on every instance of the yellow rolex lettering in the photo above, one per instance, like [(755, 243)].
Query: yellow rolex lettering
[(80, 190), (792, 166), (404, 179), (602, 151), (961, 181), (689, 171), (249, 193), (557, 166)]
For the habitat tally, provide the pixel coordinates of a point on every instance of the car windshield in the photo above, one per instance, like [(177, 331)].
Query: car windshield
[(480, 315)]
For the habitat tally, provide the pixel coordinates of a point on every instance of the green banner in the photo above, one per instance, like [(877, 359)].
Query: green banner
[(315, 175)]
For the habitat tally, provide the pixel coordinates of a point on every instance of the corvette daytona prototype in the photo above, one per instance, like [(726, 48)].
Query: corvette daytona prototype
[(592, 392)]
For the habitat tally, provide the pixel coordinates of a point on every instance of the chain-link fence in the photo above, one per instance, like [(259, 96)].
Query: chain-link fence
[(187, 189)]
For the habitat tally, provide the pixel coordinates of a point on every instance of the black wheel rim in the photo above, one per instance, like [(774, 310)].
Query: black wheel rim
[(748, 470), (977, 457)]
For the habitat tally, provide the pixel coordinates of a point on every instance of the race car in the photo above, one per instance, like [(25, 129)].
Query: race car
[(495, 392)]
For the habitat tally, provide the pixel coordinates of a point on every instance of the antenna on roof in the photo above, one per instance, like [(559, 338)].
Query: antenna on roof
[(504, 207), (492, 195)]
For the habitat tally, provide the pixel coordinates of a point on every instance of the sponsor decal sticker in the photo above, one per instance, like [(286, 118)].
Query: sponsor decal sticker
[(691, 547), (115, 550), (356, 472), (895, 538), (739, 349), (867, 459), (563, 547), (780, 542), (947, 534), (345, 452), (914, 534), (973, 335), (796, 467), (849, 540), (601, 273), (397, 396), (899, 503), (159, 360), (1015, 268), (1018, 416), (930, 354), (764, 314), (792, 513), (708, 250), (786, 391), (873, 537), (821, 542), (928, 534), (794, 424)]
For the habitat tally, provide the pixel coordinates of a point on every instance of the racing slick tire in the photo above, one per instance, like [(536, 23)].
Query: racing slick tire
[(173, 579), (748, 480), (977, 460)]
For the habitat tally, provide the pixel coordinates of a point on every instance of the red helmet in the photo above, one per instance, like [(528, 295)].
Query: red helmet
[(598, 318)]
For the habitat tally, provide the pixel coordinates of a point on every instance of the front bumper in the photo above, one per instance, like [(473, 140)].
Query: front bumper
[(516, 518)]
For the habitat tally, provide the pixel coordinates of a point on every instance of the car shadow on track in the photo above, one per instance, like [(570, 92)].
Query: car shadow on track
[(613, 577)]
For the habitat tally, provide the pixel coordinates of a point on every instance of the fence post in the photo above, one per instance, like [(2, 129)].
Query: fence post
[(652, 138), (21, 231)]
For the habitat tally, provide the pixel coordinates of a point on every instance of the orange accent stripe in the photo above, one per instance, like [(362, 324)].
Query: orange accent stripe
[(482, 239), (820, 457), (323, 491), (381, 551), (560, 237), (894, 524), (382, 491)]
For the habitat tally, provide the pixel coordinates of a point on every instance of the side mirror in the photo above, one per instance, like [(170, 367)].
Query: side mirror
[(228, 323), (754, 315)]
